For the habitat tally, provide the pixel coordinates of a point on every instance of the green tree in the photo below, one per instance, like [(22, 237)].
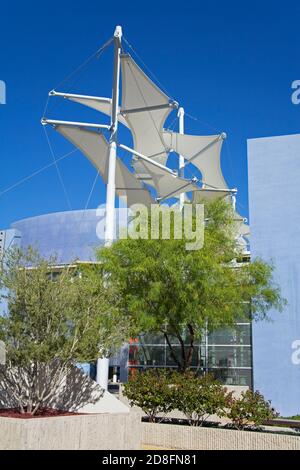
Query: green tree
[(165, 288), (54, 320)]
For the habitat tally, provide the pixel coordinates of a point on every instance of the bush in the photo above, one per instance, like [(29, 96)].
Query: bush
[(250, 408), (52, 323), (151, 391), (156, 391), (200, 397)]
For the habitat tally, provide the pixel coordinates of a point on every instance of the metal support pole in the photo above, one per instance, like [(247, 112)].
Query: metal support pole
[(75, 96), (55, 122), (103, 363), (111, 186), (181, 158), (233, 200), (147, 159)]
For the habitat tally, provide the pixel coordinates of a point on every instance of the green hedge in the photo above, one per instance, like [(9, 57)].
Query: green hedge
[(158, 392)]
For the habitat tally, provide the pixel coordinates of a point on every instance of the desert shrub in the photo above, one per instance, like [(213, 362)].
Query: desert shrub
[(199, 397), (250, 408), (52, 323), (151, 391)]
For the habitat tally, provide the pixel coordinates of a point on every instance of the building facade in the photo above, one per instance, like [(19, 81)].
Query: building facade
[(75, 235), (274, 199), (227, 354)]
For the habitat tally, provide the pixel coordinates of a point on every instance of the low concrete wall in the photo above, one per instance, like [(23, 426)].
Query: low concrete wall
[(188, 437), (94, 431)]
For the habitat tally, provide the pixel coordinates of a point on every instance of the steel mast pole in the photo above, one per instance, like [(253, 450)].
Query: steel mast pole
[(233, 200), (181, 158), (103, 363), (111, 183)]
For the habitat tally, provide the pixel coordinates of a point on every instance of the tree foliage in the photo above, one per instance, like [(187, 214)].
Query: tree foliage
[(151, 392), (200, 397), (165, 288), (250, 408), (158, 392), (53, 320)]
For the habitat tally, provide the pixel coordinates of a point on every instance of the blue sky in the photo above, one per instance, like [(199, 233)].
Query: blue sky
[(229, 64)]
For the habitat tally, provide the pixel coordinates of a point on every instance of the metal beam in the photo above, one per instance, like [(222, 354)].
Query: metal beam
[(54, 122), (86, 97), (147, 159), (173, 105), (218, 190)]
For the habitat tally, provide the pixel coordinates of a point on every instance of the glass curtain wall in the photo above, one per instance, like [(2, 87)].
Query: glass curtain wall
[(226, 353)]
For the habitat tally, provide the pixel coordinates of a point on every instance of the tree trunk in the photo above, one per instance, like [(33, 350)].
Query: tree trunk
[(183, 355), (172, 352), (191, 347), (186, 357)]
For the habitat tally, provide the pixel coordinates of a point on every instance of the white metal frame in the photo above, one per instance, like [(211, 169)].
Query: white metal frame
[(86, 97), (56, 122), (111, 186), (181, 157), (147, 159), (172, 104)]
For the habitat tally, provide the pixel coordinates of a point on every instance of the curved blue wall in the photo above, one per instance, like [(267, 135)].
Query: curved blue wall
[(67, 235)]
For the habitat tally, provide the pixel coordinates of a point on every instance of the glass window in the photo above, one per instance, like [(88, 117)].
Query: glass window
[(242, 377), (146, 355), (219, 356), (225, 352), (198, 358), (186, 339), (240, 334), (152, 338)]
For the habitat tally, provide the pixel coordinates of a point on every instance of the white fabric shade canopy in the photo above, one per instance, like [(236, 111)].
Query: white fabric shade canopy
[(97, 104), (206, 194), (138, 91), (166, 183), (95, 147), (203, 151), (144, 110), (242, 228)]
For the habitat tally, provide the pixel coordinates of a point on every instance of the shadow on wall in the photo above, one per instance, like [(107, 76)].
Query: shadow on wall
[(74, 392), (79, 390)]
